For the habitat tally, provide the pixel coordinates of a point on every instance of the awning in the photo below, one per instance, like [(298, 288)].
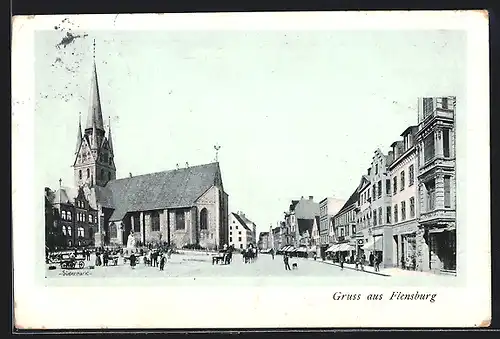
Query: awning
[(293, 249), (373, 244), (302, 249), (283, 248), (346, 247), (333, 248)]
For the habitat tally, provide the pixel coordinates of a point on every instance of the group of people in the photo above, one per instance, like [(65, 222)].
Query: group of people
[(152, 258)]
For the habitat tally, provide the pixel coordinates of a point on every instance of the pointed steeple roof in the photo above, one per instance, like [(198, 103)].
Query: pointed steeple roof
[(95, 110), (110, 139), (79, 135)]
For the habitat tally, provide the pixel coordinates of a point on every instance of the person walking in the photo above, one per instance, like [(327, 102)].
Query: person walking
[(132, 260), (162, 262), (272, 253), (376, 263), (341, 262), (287, 264)]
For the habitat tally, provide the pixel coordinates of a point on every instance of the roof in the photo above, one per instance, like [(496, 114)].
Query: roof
[(65, 195), (241, 221), (409, 130), (169, 189), (95, 111), (263, 234), (293, 205), (306, 209), (352, 200)]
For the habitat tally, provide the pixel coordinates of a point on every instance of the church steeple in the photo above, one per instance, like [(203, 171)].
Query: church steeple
[(95, 111), (110, 140), (79, 135)]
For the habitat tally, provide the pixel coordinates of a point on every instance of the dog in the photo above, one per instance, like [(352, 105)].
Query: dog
[(295, 266)]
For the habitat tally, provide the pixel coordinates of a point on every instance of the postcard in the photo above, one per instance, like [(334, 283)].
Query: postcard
[(251, 170)]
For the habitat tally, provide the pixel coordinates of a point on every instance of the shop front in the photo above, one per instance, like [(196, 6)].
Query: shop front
[(442, 244), (405, 237)]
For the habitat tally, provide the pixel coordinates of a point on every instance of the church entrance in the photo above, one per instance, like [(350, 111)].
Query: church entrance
[(127, 227)]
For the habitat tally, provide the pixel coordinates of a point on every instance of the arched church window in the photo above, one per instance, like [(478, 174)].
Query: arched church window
[(204, 219), (80, 174), (155, 221), (88, 173)]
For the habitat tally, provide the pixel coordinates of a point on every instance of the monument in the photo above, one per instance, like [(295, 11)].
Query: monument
[(131, 242)]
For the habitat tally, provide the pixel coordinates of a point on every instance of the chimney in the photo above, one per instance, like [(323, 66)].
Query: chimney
[(187, 165), (369, 171), (311, 197), (177, 166), (302, 197), (391, 155), (130, 174)]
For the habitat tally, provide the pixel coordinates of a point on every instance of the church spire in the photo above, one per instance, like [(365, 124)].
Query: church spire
[(110, 140), (79, 135), (95, 110)]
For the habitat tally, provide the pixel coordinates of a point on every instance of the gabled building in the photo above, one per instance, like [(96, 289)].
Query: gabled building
[(328, 207), (240, 234), (263, 243)]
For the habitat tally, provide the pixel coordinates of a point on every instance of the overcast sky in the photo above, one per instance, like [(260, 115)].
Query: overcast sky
[(296, 113)]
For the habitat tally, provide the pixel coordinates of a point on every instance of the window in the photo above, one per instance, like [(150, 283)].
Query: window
[(395, 213), (88, 173), (239, 232), (230, 239), (230, 233), (80, 174), (446, 143), (64, 230), (447, 192), (81, 232), (402, 180), (204, 219), (137, 223), (68, 215), (179, 220), (341, 232), (444, 103), (411, 174), (376, 168), (91, 219), (380, 216), (431, 195), (412, 207), (69, 231), (239, 238), (429, 147), (374, 192), (387, 186), (241, 246), (428, 107), (374, 218), (395, 184), (403, 210), (379, 184), (388, 214), (63, 215), (236, 227), (354, 229), (155, 221)]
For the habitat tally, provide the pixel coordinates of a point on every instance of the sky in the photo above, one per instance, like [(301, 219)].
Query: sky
[(296, 113)]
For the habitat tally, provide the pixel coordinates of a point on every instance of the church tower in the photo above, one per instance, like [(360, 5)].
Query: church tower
[(94, 158)]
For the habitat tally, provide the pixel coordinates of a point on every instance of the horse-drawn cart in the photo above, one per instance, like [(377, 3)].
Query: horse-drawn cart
[(72, 263)]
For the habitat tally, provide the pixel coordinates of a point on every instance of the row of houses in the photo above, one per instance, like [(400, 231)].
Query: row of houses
[(403, 210)]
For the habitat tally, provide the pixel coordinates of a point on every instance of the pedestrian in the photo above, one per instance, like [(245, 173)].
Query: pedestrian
[(285, 260), (162, 262), (272, 253), (341, 262), (132, 260), (376, 263)]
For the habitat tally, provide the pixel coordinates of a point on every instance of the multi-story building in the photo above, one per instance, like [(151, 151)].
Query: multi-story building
[(402, 213), (288, 232), (263, 243), (305, 214), (240, 234), (381, 199), (328, 207), (345, 227), (363, 213), (277, 238), (436, 237)]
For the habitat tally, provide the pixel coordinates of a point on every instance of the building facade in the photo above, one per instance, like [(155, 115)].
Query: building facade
[(345, 227), (403, 211), (363, 213), (436, 236), (240, 234), (263, 243), (328, 207)]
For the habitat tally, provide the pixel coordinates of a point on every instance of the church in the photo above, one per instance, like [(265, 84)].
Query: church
[(183, 207)]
